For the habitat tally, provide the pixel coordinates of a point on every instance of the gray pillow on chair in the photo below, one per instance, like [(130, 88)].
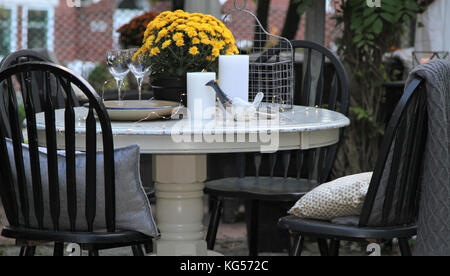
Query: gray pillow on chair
[(133, 211)]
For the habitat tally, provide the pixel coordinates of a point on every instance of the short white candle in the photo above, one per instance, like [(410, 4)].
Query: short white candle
[(234, 75), (201, 99)]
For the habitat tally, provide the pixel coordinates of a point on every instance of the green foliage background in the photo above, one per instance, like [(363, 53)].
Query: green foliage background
[(368, 33)]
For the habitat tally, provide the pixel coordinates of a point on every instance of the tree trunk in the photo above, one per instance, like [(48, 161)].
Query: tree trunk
[(292, 20), (262, 13), (177, 5)]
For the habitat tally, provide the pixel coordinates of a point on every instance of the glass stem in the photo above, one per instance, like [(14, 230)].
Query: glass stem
[(119, 88), (140, 80)]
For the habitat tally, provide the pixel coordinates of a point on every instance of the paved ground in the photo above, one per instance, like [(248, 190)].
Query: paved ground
[(231, 241)]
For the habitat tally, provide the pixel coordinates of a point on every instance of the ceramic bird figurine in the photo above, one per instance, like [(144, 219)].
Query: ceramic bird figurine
[(239, 109)]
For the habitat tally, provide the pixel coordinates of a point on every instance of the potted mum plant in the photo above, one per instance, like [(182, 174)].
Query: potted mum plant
[(132, 34), (176, 43)]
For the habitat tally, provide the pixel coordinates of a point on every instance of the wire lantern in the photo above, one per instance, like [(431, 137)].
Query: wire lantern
[(271, 57)]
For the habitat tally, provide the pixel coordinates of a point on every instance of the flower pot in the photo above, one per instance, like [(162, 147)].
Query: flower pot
[(170, 89)]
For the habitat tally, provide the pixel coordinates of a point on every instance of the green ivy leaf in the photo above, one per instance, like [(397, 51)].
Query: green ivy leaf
[(388, 17), (377, 26)]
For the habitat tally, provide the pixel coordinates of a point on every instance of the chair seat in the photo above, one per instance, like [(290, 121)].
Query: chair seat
[(103, 238), (260, 188), (324, 228)]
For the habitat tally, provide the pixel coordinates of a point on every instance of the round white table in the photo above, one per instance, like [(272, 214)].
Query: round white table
[(179, 160)]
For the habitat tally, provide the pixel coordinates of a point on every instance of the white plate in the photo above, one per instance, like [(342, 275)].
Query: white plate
[(140, 110)]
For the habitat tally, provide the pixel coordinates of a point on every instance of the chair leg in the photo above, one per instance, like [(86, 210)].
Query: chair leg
[(214, 222), (404, 247), (335, 244), (148, 247), (93, 253), (323, 247), (22, 251), (137, 250), (297, 248), (58, 250), (30, 251), (253, 235)]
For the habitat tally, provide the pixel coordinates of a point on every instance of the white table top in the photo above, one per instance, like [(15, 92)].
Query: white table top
[(292, 128)]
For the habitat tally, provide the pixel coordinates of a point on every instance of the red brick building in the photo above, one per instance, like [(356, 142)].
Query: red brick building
[(73, 33), (85, 33)]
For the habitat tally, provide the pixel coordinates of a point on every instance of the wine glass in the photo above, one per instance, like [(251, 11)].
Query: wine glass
[(117, 62), (138, 68)]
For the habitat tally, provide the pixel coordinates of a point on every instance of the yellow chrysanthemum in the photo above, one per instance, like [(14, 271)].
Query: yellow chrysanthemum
[(148, 44), (194, 51), (196, 18), (155, 51), (180, 42), (206, 41), (179, 13), (191, 32), (178, 36), (182, 27), (215, 52), (161, 24), (166, 44), (202, 35), (162, 33), (206, 27), (218, 29), (218, 44)]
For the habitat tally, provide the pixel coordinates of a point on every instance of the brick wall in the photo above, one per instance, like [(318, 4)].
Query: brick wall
[(86, 33), (83, 33)]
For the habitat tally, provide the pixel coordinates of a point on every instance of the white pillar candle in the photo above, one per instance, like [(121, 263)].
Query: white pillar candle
[(234, 75), (201, 99)]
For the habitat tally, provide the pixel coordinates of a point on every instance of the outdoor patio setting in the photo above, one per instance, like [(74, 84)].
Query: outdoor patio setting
[(225, 128)]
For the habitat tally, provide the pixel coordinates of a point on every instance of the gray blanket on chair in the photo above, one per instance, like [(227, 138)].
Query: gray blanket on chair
[(433, 237)]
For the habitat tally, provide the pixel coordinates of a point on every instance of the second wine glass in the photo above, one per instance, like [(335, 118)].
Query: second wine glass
[(117, 62), (138, 68)]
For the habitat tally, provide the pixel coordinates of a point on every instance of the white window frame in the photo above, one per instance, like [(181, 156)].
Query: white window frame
[(13, 9), (50, 24)]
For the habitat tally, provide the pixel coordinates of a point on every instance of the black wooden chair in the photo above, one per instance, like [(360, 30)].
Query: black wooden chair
[(391, 206), (16, 201), (310, 168), (22, 56)]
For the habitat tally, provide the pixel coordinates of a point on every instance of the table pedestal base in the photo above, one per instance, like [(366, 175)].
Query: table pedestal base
[(179, 204)]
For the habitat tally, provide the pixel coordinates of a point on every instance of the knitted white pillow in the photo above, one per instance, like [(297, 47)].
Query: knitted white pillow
[(343, 197)]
